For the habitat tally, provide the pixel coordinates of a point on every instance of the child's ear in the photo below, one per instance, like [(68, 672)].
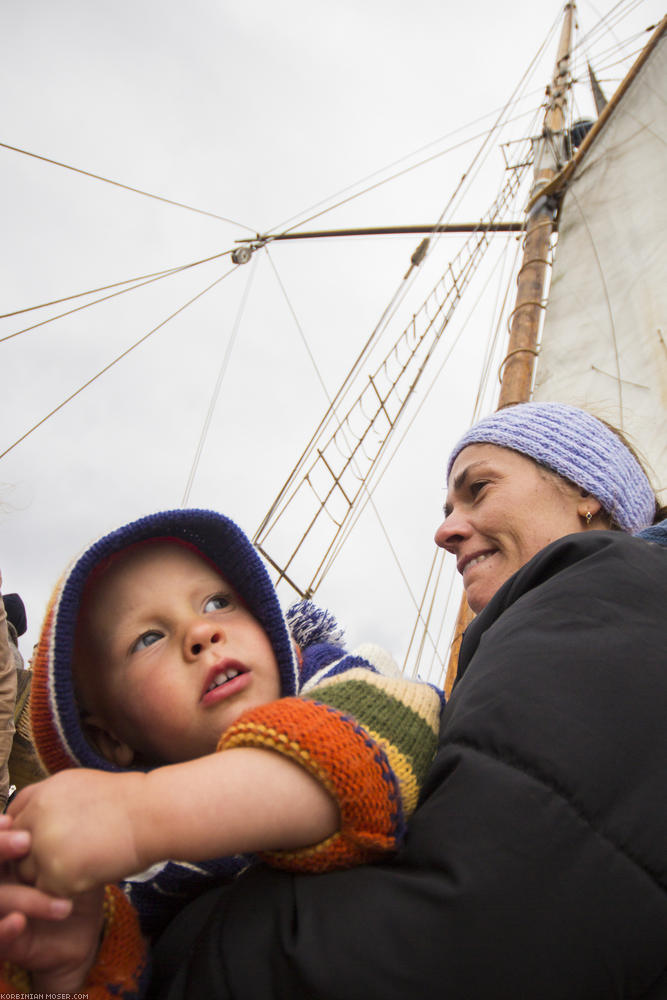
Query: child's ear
[(106, 744)]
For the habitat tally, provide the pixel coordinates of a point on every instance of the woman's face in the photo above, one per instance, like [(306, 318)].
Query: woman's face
[(501, 510)]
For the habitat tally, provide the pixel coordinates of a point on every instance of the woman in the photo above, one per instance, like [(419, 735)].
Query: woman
[(536, 864)]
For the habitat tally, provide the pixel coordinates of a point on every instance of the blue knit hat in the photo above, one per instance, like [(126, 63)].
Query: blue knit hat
[(57, 730), (579, 447)]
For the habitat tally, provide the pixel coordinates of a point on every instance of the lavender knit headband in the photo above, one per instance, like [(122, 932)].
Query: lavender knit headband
[(577, 446)]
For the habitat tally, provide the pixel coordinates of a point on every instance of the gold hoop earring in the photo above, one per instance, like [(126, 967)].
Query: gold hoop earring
[(589, 518)]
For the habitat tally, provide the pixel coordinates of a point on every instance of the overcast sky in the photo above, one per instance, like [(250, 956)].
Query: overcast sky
[(254, 112)]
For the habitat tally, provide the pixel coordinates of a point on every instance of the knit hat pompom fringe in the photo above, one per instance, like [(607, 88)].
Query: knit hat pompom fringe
[(309, 624)]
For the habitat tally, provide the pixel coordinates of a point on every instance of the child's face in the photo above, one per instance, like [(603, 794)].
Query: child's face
[(167, 657)]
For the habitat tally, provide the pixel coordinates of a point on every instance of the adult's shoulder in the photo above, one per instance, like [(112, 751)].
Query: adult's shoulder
[(656, 533), (564, 680)]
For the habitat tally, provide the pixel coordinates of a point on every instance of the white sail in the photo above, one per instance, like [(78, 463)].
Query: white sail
[(604, 342)]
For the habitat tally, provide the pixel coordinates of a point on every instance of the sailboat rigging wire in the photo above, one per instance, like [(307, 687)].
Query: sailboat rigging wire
[(483, 381), (500, 121), (103, 288), (126, 187), (379, 474), (488, 133), (607, 22), (327, 415), (115, 361), (330, 401), (393, 177), (104, 298), (621, 61), (612, 325), (298, 325), (492, 346), (483, 378), (421, 618), (442, 660), (350, 187), (431, 607), (218, 385)]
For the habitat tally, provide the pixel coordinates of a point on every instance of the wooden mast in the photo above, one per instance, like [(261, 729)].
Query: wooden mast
[(518, 366)]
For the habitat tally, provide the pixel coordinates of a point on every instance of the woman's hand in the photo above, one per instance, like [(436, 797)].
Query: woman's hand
[(54, 939)]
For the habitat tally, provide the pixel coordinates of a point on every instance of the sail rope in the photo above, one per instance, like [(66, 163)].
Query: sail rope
[(115, 361), (618, 53), (483, 380), (375, 173), (304, 339), (419, 606), (401, 173), (115, 284), (327, 395), (500, 118), (612, 326), (218, 385), (126, 187), (607, 22), (105, 298)]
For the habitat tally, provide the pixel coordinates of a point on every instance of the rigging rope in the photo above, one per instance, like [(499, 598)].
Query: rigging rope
[(218, 385), (496, 113), (115, 361), (402, 159), (105, 298), (340, 427), (126, 187), (377, 478), (298, 326), (103, 288), (607, 299)]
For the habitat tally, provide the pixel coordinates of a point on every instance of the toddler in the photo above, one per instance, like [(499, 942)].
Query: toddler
[(164, 649)]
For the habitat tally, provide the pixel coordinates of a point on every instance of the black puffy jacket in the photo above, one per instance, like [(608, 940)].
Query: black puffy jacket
[(536, 864)]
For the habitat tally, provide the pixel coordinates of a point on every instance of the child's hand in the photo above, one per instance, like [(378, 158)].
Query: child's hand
[(82, 829), (56, 940)]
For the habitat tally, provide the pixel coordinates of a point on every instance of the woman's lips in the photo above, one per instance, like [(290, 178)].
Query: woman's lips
[(474, 559)]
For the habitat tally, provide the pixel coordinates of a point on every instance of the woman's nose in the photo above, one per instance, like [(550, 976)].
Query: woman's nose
[(201, 634), (451, 532)]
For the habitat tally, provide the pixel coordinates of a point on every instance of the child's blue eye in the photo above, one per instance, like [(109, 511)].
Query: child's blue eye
[(217, 603), (147, 639)]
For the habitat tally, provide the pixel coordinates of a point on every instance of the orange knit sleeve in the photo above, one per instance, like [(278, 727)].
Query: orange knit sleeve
[(347, 761)]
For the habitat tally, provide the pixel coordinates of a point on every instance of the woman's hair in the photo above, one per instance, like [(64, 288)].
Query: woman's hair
[(660, 509), (581, 449)]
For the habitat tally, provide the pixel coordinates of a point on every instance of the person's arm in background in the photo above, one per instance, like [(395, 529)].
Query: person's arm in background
[(7, 701)]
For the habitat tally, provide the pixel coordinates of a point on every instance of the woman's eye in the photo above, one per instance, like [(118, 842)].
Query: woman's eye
[(217, 603), (145, 640), (477, 487)]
